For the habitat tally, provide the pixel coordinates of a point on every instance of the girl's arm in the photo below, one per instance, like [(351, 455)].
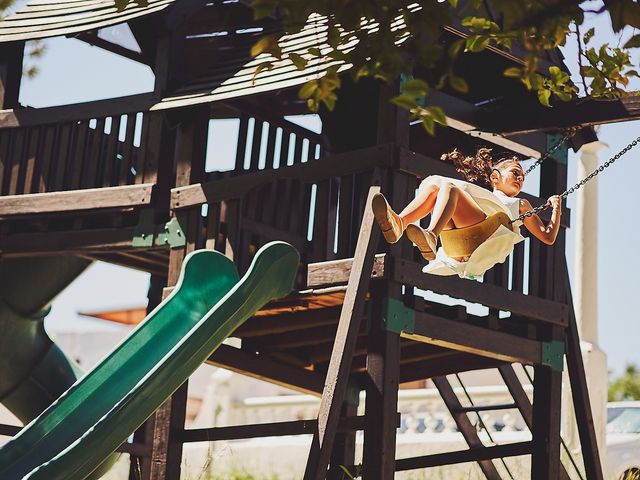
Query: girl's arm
[(545, 233)]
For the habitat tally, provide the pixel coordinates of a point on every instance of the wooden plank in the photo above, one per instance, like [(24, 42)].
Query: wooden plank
[(340, 364), (262, 367), (383, 358), (455, 363), (336, 272), (71, 241), (345, 215), (45, 159), (580, 392), (61, 155), (76, 200), (123, 175), (5, 157), (286, 322), (94, 158), (27, 117), (77, 155), (31, 157), (476, 340), (16, 160), (547, 389), (463, 456), (335, 165), (111, 150), (274, 429), (465, 427), (527, 306)]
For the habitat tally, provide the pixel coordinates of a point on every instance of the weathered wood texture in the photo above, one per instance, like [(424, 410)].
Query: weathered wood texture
[(340, 365), (78, 153)]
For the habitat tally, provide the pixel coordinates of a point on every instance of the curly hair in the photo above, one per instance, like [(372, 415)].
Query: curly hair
[(478, 168)]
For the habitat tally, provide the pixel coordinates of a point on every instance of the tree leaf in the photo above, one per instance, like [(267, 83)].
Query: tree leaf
[(588, 35), (298, 60), (633, 42), (315, 51), (429, 125), (268, 44), (121, 4), (260, 68), (415, 87), (308, 89), (476, 43), (543, 97), (406, 102), (453, 3), (459, 84), (438, 114), (513, 72)]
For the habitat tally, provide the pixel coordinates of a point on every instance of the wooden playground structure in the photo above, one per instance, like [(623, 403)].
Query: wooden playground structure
[(123, 181)]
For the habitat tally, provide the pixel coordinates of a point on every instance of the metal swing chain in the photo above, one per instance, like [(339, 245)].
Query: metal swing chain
[(569, 191), (569, 133)]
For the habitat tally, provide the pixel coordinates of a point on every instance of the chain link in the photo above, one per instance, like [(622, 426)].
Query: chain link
[(568, 134), (569, 191)]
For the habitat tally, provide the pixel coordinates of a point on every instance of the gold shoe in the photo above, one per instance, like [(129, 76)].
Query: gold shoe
[(389, 221), (425, 240)]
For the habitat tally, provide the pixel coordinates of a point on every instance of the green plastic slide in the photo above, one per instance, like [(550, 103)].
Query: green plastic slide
[(99, 412)]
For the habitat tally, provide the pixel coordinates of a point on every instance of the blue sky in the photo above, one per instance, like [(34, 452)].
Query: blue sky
[(71, 71)]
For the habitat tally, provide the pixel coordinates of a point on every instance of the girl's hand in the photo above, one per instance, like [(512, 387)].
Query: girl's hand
[(555, 202)]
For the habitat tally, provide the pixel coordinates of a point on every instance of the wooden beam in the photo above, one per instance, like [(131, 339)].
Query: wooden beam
[(92, 38), (528, 306), (580, 392), (465, 426), (475, 340), (275, 429), (464, 456), (346, 336), (286, 322), (235, 187), (531, 116), (336, 272), (458, 362), (70, 241), (27, 117), (263, 368), (76, 200)]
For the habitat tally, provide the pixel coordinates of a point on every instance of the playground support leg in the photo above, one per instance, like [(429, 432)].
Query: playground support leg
[(344, 445), (547, 390), (383, 360)]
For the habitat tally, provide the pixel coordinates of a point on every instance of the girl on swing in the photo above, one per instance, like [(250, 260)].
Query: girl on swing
[(457, 204)]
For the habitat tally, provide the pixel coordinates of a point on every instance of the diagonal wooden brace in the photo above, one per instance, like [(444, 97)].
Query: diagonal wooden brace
[(335, 386)]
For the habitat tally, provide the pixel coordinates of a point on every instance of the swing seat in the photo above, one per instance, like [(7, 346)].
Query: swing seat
[(462, 242)]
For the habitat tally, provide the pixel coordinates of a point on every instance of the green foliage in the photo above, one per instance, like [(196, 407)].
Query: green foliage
[(626, 386), (387, 40)]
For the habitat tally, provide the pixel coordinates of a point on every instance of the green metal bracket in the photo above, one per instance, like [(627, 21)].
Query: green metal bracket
[(145, 230), (562, 154), (172, 234), (396, 317), (553, 354)]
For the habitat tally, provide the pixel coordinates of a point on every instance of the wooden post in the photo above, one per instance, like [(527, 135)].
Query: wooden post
[(189, 157), (340, 364), (140, 468), (547, 382), (11, 55), (383, 369)]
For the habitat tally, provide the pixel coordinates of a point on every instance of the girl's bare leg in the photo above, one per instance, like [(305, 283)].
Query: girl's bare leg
[(453, 204), (421, 205)]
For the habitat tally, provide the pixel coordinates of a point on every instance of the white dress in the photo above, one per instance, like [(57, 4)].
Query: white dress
[(495, 249)]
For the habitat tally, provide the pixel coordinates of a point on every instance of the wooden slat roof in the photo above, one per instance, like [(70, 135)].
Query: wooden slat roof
[(51, 18), (243, 82)]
